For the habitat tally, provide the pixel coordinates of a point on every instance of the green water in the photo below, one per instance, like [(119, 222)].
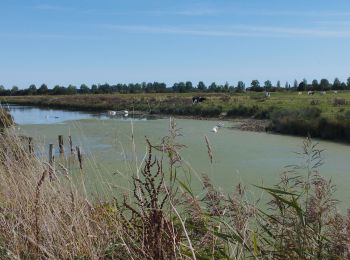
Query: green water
[(247, 157)]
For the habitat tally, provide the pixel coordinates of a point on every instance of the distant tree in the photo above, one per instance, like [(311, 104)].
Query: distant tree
[(315, 85), (59, 90), (267, 85), (2, 90), (240, 86), (324, 84), (71, 90), (94, 89), (295, 85), (343, 85), (179, 87), (43, 90), (286, 85), (213, 87), (302, 85), (348, 83), (336, 84), (278, 85), (104, 88), (14, 90), (84, 89), (226, 87), (188, 86), (255, 85), (201, 86), (32, 90)]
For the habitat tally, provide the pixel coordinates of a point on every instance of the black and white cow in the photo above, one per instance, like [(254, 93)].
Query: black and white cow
[(198, 99)]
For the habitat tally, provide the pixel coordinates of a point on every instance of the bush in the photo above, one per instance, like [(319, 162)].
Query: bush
[(339, 102)]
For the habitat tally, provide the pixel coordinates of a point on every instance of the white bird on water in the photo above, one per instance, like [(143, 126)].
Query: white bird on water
[(215, 129)]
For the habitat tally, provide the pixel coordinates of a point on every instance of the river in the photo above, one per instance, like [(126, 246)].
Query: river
[(110, 155)]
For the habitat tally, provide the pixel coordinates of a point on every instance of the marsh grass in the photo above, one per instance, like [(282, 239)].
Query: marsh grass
[(160, 217)]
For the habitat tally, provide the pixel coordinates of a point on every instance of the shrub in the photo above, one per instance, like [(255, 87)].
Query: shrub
[(339, 102)]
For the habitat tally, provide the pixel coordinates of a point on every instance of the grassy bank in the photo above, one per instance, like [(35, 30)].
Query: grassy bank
[(324, 116), (46, 215)]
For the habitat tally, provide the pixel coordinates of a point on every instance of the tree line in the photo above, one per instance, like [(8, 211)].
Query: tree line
[(180, 87)]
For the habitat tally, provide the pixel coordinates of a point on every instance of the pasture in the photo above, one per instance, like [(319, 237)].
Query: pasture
[(330, 104)]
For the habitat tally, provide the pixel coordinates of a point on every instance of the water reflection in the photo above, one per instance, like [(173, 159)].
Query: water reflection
[(28, 115)]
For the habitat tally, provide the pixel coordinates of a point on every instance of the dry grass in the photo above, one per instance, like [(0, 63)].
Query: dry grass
[(161, 218)]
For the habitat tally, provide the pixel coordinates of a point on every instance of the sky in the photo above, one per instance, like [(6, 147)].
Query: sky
[(128, 41)]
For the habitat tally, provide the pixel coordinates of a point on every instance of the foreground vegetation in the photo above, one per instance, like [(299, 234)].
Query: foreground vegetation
[(323, 116), (45, 215)]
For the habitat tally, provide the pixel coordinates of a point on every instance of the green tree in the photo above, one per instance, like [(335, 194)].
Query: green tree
[(315, 85), (240, 86), (71, 90), (14, 90), (226, 87), (213, 87), (84, 89), (324, 84), (267, 84), (43, 90), (2, 90), (188, 86), (201, 86), (94, 89), (278, 85), (32, 90), (336, 84), (348, 83), (255, 85), (295, 85)]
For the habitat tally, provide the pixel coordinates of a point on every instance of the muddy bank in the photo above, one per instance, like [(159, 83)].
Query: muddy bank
[(253, 125)]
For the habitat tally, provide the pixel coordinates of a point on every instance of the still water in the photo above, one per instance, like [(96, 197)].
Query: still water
[(111, 154)]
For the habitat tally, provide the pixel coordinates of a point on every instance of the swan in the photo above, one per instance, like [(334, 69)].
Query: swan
[(112, 113), (215, 129)]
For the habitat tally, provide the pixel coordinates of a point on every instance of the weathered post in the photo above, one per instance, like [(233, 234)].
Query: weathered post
[(30, 145), (60, 144), (51, 160), (71, 144), (80, 159)]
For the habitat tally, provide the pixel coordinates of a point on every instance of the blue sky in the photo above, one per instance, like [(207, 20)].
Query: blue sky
[(74, 42)]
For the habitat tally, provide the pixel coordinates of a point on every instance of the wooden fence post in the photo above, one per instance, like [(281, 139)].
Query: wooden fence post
[(30, 145), (60, 143), (51, 160), (71, 144), (80, 159)]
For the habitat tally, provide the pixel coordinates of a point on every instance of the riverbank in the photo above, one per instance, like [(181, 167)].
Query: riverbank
[(46, 215), (321, 116)]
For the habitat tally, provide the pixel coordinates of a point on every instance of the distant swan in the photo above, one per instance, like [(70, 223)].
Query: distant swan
[(112, 113), (215, 129)]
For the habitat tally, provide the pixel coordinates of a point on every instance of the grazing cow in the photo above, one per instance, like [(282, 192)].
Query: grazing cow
[(323, 93), (300, 93), (311, 92), (267, 94), (335, 92), (198, 99)]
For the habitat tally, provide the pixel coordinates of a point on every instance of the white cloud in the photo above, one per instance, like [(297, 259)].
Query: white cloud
[(235, 31)]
